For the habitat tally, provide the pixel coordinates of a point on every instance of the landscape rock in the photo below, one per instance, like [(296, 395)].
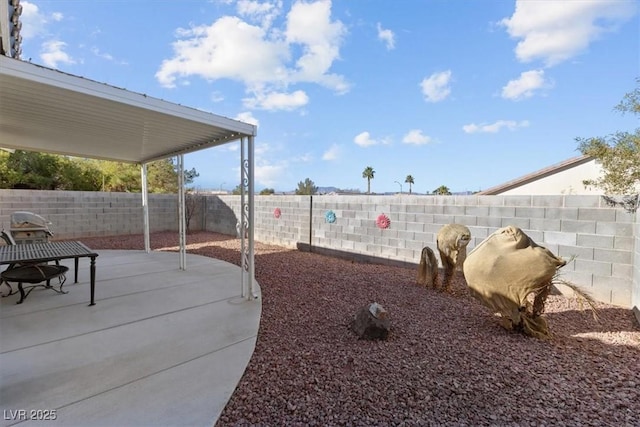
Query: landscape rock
[(372, 322)]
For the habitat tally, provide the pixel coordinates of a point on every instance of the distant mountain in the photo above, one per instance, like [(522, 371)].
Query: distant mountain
[(325, 190)]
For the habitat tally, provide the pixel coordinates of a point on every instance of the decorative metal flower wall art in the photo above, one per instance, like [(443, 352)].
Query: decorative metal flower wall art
[(383, 221), (330, 217)]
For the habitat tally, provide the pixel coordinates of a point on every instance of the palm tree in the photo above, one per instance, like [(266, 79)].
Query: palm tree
[(443, 190), (409, 180), (368, 173)]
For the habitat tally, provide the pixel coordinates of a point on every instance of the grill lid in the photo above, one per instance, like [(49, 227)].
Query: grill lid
[(23, 219)]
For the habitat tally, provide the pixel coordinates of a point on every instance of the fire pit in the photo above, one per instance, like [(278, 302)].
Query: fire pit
[(35, 275)]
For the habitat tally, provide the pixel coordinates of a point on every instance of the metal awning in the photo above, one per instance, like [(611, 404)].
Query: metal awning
[(49, 111), (46, 110)]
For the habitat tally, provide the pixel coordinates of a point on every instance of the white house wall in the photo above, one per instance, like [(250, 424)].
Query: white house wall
[(565, 182)]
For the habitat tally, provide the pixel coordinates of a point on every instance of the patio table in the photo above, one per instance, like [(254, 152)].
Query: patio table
[(53, 251)]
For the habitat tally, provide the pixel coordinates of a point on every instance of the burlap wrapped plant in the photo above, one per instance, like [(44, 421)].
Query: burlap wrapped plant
[(507, 267), (452, 241)]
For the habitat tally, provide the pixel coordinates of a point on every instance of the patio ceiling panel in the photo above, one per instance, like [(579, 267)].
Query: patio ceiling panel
[(49, 111)]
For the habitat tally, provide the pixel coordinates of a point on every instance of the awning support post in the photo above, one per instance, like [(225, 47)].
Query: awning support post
[(181, 213), (246, 229), (145, 207)]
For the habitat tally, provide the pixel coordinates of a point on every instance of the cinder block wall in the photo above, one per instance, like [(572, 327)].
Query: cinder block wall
[(598, 239), (87, 214), (223, 214), (603, 240)]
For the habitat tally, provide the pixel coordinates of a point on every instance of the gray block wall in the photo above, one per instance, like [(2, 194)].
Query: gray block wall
[(597, 239), (223, 215), (87, 214), (601, 241)]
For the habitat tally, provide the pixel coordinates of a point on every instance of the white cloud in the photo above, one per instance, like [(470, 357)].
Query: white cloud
[(267, 174), (247, 117), (277, 101), (53, 54), (262, 12), (266, 59), (416, 137), (229, 48), (33, 21), (310, 25), (495, 127), (525, 85), (364, 139), (556, 30), (333, 153), (436, 87), (387, 36)]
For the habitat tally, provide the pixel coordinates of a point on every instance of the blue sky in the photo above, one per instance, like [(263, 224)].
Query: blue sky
[(467, 94)]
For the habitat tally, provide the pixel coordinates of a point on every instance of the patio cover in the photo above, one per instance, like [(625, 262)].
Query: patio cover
[(46, 110)]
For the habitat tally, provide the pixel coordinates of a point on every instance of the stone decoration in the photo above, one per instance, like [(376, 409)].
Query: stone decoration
[(330, 217), (372, 322), (383, 221)]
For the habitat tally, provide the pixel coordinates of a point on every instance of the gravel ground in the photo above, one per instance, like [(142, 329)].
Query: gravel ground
[(447, 360)]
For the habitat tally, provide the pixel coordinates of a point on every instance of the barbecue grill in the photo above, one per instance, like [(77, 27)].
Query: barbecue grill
[(27, 227)]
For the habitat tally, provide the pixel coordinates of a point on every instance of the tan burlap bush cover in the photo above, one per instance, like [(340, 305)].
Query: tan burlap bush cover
[(504, 269)]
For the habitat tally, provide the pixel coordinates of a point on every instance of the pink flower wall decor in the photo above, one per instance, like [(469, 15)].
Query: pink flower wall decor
[(383, 221), (277, 212)]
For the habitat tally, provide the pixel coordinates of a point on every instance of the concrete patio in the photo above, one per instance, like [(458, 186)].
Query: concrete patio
[(160, 347)]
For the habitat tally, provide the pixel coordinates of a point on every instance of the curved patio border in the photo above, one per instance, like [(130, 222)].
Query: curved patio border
[(161, 347)]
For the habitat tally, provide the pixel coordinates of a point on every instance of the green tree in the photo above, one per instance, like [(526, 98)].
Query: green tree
[(307, 187), (162, 176), (237, 191), (6, 173), (78, 175), (443, 190), (190, 176), (23, 169), (119, 177), (267, 191), (368, 173), (409, 180), (27, 169), (618, 154)]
